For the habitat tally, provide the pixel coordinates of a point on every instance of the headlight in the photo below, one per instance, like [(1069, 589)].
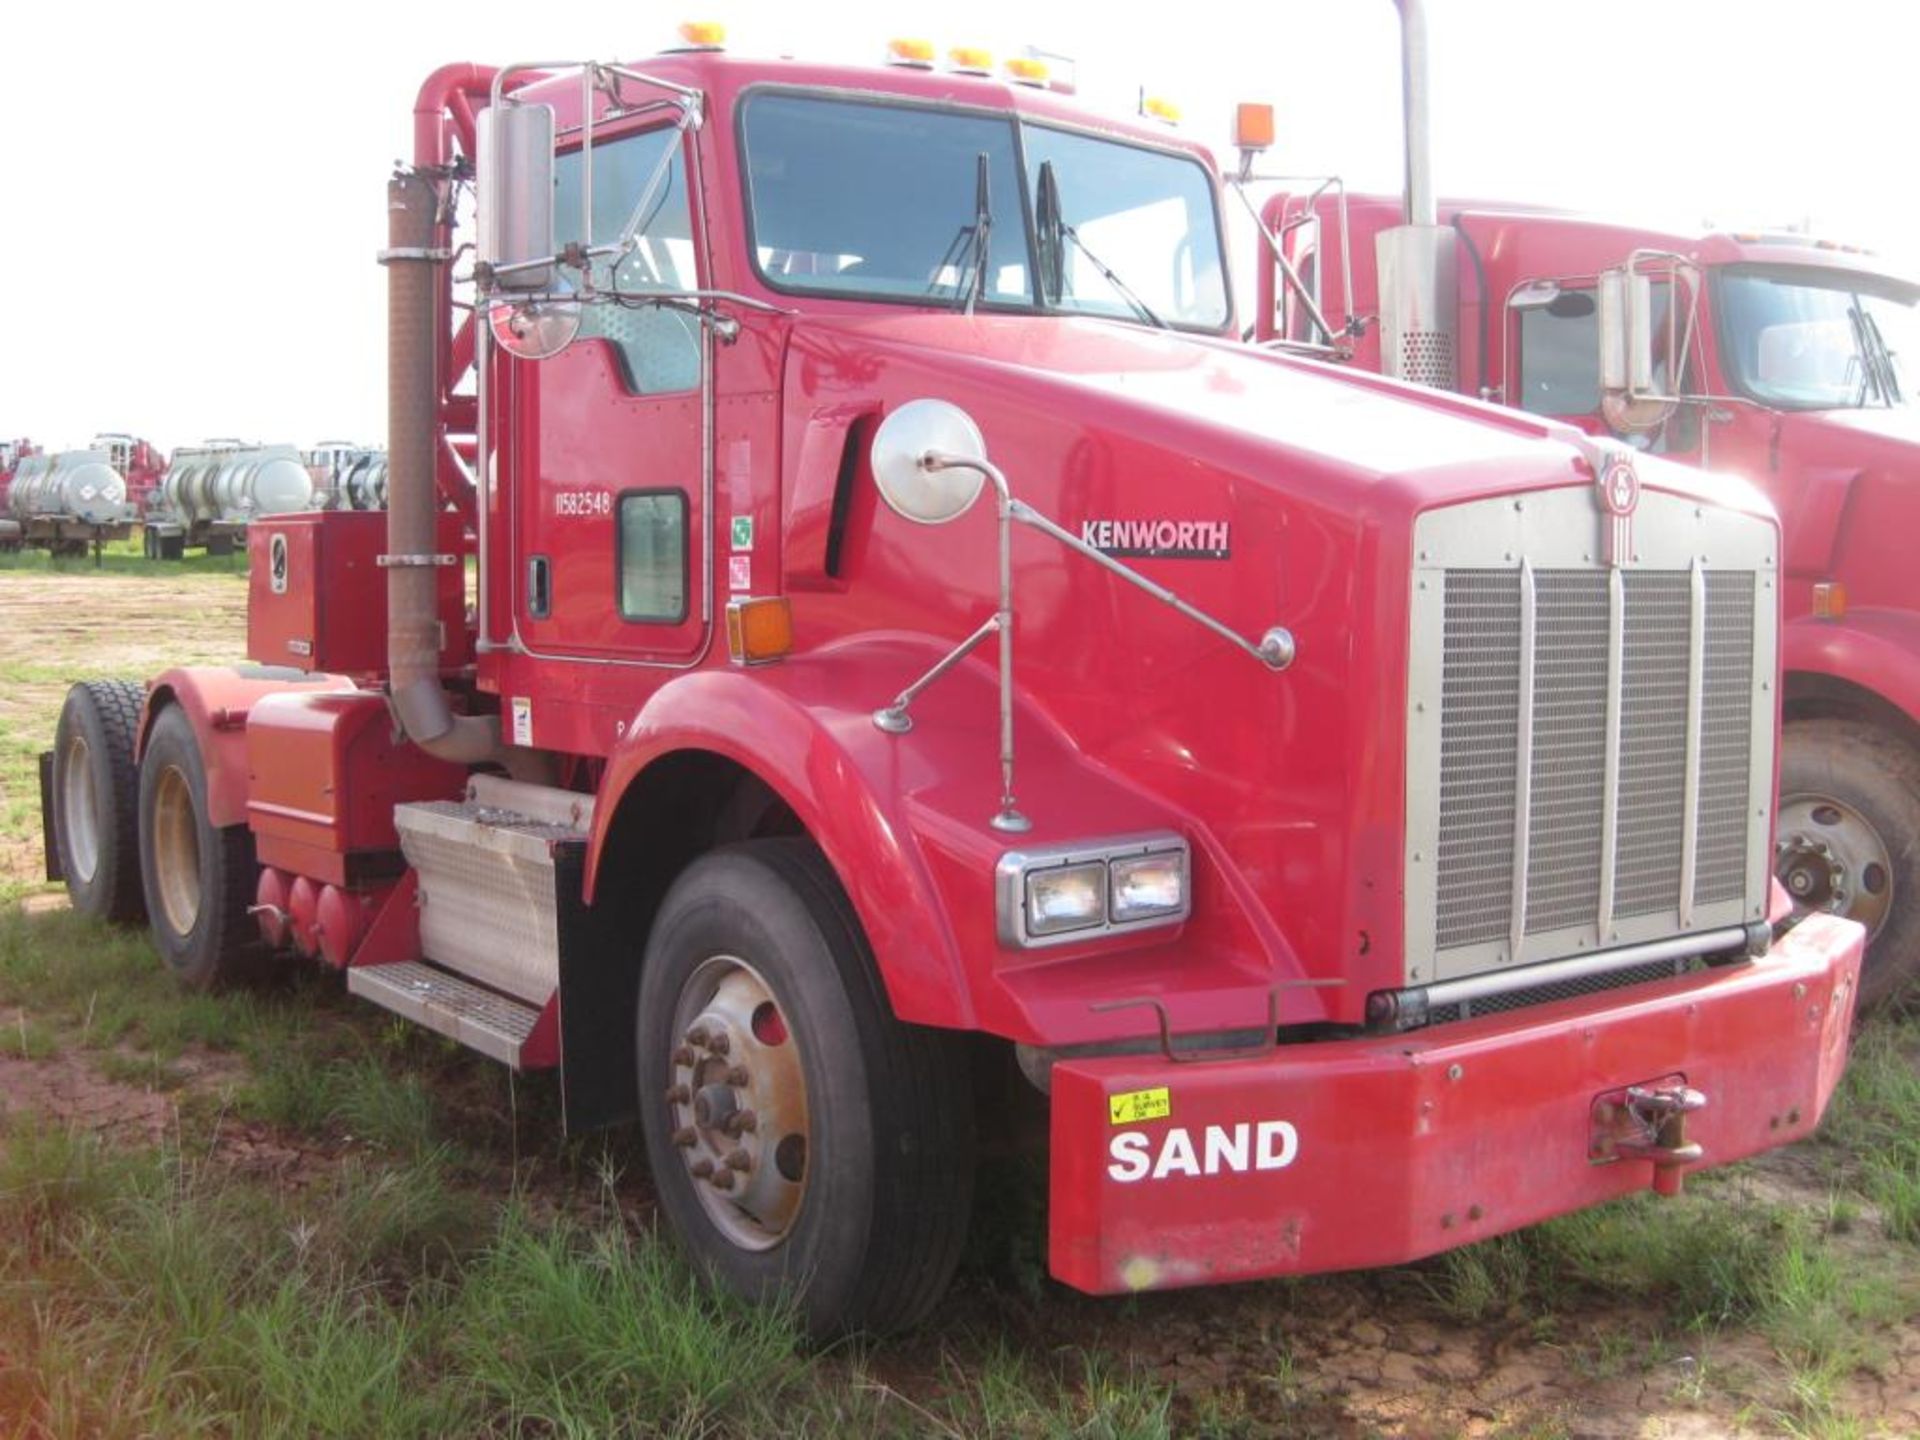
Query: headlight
[(1068, 897), (1149, 887), (1077, 892)]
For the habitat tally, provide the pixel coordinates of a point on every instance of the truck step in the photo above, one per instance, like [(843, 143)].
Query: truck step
[(490, 888), (495, 1025)]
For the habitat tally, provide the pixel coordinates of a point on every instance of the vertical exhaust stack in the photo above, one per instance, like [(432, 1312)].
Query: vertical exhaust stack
[(1419, 299), (413, 621)]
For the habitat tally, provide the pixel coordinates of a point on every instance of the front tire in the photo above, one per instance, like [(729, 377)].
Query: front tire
[(802, 1140), (96, 799), (198, 877), (1848, 841)]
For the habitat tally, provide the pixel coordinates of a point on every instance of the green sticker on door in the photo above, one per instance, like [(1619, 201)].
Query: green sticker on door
[(743, 532)]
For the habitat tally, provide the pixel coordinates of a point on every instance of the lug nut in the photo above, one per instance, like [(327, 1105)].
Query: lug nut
[(683, 1056), (718, 1043), (738, 1077), (702, 1169), (738, 1159), (742, 1120), (678, 1095), (723, 1180), (697, 1036), (684, 1137)]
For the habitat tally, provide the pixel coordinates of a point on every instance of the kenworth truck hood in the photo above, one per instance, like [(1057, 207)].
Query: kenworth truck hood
[(1298, 486)]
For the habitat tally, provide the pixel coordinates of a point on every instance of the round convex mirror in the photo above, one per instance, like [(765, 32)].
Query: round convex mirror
[(534, 329), (925, 493)]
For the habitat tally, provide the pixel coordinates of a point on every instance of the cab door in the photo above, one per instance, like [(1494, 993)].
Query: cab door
[(609, 550)]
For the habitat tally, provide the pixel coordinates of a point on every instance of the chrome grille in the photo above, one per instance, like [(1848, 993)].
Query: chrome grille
[(1588, 752), (1726, 742), (1653, 743)]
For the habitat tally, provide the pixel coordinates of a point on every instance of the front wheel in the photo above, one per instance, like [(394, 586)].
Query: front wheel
[(1848, 841), (802, 1140)]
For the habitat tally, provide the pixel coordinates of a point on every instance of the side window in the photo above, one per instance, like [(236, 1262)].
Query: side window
[(652, 560), (659, 348), (1560, 357)]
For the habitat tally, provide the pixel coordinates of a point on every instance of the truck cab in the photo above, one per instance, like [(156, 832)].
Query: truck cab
[(1775, 357), (912, 643)]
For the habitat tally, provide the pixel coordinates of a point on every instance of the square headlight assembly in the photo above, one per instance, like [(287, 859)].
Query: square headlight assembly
[(1079, 892), (1063, 898), (1148, 887)]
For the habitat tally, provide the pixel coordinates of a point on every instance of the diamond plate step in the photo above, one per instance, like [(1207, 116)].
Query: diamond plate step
[(495, 1025)]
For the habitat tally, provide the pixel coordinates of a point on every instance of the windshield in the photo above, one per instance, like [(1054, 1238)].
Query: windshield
[(884, 201), (1816, 340)]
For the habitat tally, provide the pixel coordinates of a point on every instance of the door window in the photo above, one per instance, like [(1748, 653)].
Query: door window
[(659, 348), (653, 556)]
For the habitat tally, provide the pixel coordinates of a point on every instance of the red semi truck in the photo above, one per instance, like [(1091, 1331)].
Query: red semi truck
[(1792, 363), (917, 646)]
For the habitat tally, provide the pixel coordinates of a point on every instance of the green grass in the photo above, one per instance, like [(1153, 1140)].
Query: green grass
[(156, 1293), (124, 557), (1875, 1121)]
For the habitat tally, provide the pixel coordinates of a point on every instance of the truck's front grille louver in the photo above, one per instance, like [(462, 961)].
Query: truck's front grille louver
[(1482, 704)]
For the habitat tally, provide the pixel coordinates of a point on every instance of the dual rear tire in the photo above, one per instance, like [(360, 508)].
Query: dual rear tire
[(135, 842)]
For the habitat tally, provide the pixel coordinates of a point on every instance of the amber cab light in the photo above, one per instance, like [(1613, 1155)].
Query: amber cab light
[(909, 51), (703, 34), (1155, 107), (1829, 600), (970, 60), (759, 630), (1025, 70), (1252, 126)]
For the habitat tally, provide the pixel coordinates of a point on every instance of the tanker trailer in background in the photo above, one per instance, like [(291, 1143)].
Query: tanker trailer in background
[(12, 452), (212, 492), (66, 503), (138, 462), (347, 476)]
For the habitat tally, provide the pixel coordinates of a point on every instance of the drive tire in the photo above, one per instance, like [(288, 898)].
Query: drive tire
[(198, 878), (1864, 784), (96, 800), (885, 1119)]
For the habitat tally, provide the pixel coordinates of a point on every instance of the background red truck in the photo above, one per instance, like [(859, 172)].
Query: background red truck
[(1297, 836), (1770, 356)]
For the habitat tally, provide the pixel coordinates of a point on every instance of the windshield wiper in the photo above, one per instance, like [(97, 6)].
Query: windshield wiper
[(980, 234), (1054, 232), (1883, 357)]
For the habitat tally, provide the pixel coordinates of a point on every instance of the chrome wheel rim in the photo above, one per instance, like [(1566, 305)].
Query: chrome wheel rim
[(737, 1101), (1831, 858), (176, 850), (79, 810)]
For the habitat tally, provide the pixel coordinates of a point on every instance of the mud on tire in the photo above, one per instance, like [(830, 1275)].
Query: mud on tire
[(851, 1186)]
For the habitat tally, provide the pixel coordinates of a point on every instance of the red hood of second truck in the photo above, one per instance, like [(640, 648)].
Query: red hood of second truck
[(1297, 424)]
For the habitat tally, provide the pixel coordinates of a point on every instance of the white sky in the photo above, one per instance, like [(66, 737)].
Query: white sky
[(191, 194)]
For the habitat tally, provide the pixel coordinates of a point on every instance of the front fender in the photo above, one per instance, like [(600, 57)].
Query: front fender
[(903, 820), (840, 776), (217, 699), (1874, 649)]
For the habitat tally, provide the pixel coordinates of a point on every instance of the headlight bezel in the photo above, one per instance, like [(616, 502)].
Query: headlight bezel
[(1015, 869)]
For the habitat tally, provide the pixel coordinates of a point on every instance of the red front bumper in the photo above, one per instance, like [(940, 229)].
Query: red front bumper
[(1354, 1153)]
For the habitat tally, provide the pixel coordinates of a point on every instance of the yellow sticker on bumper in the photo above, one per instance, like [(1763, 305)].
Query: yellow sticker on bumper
[(1138, 1105)]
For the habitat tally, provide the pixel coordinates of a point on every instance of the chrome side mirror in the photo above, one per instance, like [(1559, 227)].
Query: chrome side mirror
[(1630, 400), (513, 191)]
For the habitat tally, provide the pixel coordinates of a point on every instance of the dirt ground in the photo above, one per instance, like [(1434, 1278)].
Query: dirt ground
[(55, 629), (1340, 1356)]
